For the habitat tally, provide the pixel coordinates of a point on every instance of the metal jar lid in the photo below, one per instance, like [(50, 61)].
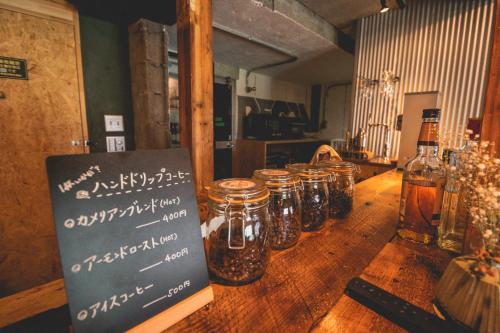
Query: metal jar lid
[(308, 172), (237, 191), (339, 167), (275, 179)]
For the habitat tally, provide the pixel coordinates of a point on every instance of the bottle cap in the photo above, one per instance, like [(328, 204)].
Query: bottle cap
[(431, 113)]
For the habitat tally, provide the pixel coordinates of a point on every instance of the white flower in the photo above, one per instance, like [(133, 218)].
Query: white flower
[(487, 233)]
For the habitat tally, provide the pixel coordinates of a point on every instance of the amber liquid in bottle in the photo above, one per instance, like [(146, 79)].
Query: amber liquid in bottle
[(421, 211), (423, 186)]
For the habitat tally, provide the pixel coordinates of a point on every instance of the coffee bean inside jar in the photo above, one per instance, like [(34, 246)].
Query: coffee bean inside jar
[(238, 231), (315, 200), (284, 205), (340, 186)]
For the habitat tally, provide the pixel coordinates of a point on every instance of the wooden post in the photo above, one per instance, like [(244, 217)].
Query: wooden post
[(149, 75), (490, 126), (194, 44)]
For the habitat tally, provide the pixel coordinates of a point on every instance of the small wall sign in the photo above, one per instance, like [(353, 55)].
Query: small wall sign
[(13, 68)]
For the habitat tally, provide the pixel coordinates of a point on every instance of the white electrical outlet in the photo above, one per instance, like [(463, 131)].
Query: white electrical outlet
[(113, 123), (115, 143)]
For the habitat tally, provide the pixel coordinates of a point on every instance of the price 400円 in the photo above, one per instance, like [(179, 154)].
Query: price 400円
[(173, 256), (174, 216)]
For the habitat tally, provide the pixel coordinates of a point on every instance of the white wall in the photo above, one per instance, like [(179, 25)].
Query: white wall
[(271, 88), (336, 106), (432, 45)]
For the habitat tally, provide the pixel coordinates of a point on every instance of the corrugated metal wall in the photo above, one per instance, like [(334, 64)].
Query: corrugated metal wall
[(433, 45)]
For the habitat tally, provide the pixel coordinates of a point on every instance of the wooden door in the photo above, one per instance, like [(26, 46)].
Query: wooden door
[(41, 116)]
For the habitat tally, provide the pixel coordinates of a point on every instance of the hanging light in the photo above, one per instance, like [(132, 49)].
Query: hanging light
[(383, 6)]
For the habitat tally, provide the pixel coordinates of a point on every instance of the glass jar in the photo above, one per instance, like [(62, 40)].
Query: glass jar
[(284, 205), (314, 195), (238, 230), (340, 186)]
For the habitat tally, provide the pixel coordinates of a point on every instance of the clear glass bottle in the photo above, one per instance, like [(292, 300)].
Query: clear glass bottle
[(340, 186), (451, 227), (314, 195), (238, 242), (284, 205), (423, 185)]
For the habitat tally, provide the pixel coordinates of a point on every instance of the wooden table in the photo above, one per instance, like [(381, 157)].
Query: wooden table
[(303, 287), (302, 284), (369, 169), (404, 269)]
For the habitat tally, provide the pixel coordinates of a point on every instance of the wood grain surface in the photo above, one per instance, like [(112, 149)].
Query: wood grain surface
[(31, 302), (302, 284), (490, 126), (402, 268), (148, 55), (39, 117), (194, 44)]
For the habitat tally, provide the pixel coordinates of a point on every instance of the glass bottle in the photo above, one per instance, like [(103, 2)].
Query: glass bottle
[(341, 186), (284, 205), (314, 195), (423, 185), (238, 243), (451, 229)]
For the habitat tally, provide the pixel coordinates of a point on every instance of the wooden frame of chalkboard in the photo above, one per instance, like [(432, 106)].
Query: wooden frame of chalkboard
[(129, 239)]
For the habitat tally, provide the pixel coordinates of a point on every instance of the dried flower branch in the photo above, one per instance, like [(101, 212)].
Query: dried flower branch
[(478, 171)]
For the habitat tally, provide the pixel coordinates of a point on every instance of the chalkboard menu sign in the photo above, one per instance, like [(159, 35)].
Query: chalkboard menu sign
[(129, 235)]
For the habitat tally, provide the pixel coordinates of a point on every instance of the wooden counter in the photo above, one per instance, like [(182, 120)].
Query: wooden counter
[(250, 155), (302, 284), (369, 169), (402, 268), (303, 287)]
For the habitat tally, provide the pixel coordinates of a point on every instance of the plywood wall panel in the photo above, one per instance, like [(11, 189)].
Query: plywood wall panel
[(39, 117), (433, 46)]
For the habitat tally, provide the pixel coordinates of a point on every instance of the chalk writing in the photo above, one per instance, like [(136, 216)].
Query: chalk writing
[(69, 184), (128, 231), (171, 292), (174, 216), (111, 303), (168, 258), (123, 252), (133, 209), (176, 255), (136, 181)]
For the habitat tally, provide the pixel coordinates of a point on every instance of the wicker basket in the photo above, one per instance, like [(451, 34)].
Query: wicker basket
[(471, 301)]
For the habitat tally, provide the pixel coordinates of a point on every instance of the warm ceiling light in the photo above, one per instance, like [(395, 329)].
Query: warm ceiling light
[(383, 6)]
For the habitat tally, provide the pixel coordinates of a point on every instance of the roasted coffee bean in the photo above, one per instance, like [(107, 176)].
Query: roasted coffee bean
[(340, 202), (314, 209), (284, 209), (238, 266)]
